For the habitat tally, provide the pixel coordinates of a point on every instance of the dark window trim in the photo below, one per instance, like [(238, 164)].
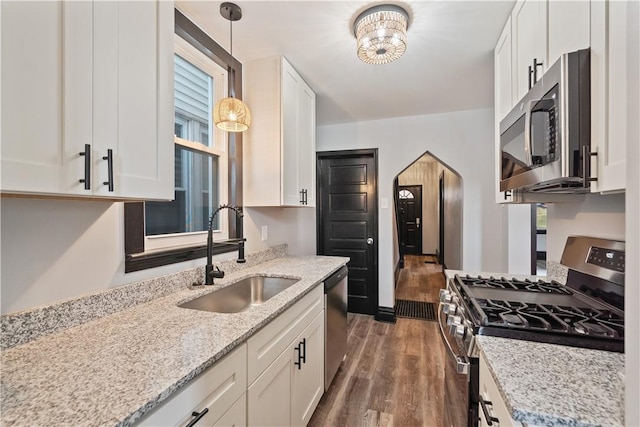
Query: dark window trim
[(135, 257)]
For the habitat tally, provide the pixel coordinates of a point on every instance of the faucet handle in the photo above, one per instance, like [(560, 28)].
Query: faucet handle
[(219, 274)]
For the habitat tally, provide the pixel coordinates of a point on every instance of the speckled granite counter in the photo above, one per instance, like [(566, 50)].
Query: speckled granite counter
[(112, 370), (554, 385)]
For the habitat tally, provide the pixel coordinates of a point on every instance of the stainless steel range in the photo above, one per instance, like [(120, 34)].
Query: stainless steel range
[(586, 312)]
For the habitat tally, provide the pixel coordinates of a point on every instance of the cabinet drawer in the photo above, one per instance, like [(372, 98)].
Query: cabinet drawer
[(496, 407), (217, 389), (266, 345)]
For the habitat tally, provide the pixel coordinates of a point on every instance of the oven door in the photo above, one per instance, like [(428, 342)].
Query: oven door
[(460, 381)]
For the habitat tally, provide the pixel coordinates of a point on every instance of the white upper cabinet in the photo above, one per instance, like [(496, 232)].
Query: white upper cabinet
[(279, 147), (503, 99), (529, 35), (92, 78), (610, 82), (568, 27)]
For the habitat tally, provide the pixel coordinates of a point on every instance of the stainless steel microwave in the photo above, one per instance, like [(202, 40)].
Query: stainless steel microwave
[(545, 141)]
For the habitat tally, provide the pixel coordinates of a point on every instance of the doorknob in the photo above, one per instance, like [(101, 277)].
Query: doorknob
[(370, 241)]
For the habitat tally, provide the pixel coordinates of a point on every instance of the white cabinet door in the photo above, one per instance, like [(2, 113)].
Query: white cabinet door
[(133, 98), (565, 38), (46, 96), (269, 397), (290, 135), (279, 150), (529, 26), (307, 149), (503, 97), (236, 416), (307, 380), (92, 76), (609, 93)]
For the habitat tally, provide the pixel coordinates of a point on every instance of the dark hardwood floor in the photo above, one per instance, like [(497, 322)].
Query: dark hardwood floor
[(393, 373)]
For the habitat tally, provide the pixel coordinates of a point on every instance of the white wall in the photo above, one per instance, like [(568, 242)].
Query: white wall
[(464, 141), (632, 273), (58, 249), (597, 216)]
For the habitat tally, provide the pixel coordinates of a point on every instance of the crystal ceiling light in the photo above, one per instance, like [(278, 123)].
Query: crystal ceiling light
[(381, 32), (231, 114)]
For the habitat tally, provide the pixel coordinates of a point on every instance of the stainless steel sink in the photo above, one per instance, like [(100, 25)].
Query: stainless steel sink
[(240, 296)]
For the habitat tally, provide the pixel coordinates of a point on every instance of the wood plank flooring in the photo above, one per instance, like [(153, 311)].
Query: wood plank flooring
[(393, 373)]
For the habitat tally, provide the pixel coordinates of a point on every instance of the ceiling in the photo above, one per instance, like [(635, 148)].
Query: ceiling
[(448, 65)]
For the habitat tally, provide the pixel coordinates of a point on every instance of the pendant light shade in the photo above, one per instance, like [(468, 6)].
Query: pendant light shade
[(381, 32), (231, 114)]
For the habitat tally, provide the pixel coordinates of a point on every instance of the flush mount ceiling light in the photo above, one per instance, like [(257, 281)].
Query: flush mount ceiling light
[(231, 114), (381, 32)]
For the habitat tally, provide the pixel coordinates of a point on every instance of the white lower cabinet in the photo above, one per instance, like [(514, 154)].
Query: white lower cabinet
[(493, 411), (220, 391), (276, 378), (286, 358)]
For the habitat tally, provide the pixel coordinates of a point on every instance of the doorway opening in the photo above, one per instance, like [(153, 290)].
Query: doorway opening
[(428, 225)]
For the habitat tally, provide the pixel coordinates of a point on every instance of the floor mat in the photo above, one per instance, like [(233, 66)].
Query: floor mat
[(416, 309)]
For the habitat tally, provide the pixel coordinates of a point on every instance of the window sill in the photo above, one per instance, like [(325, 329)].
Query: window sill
[(159, 258)]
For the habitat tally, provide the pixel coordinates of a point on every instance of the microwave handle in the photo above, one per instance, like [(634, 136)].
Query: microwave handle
[(527, 131)]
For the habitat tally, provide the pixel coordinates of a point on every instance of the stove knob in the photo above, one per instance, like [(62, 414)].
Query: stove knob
[(454, 320), (445, 295), (459, 331), (449, 309)]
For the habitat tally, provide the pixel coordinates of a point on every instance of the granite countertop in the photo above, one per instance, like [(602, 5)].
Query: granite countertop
[(555, 385), (112, 370)]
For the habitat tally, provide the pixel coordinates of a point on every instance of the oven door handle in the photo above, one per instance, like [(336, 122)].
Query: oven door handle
[(462, 364)]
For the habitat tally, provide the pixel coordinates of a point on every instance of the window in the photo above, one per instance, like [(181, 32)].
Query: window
[(208, 166), (200, 156), (405, 194)]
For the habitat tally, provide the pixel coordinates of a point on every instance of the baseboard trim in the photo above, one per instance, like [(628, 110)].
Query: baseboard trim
[(386, 315), (396, 274)]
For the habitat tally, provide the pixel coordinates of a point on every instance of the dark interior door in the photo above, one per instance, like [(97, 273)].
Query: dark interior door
[(347, 220), (410, 201)]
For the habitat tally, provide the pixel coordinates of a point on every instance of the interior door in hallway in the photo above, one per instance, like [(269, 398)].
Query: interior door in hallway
[(348, 220), (410, 201)]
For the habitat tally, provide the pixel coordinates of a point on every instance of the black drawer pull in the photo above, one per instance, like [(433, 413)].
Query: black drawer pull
[(489, 418), (198, 416), (303, 344), (87, 166), (109, 159)]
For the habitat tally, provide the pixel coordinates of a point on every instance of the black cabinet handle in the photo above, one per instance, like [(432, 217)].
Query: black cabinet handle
[(87, 166), (198, 416), (530, 77), (305, 196), (489, 418), (299, 362), (507, 194), (303, 344), (302, 197), (109, 159), (536, 64), (586, 166)]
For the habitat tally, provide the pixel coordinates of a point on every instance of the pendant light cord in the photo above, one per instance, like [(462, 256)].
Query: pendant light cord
[(232, 92)]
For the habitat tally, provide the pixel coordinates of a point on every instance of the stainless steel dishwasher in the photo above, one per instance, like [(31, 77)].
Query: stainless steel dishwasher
[(335, 323)]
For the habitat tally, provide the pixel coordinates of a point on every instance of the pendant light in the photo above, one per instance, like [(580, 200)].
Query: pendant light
[(231, 114)]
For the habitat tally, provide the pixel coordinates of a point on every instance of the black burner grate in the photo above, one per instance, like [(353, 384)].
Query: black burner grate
[(416, 309)]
